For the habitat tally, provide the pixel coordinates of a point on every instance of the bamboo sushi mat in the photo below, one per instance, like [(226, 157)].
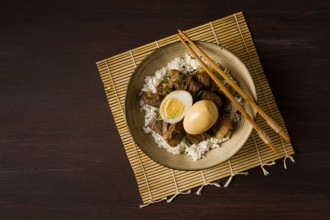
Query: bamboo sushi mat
[(156, 182)]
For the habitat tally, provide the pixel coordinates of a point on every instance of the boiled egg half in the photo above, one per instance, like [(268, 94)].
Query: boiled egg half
[(200, 117), (175, 106)]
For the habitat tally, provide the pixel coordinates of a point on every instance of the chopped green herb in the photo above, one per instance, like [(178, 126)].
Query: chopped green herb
[(159, 119), (182, 81), (166, 79), (192, 71), (186, 141), (182, 84), (199, 94), (182, 77), (168, 89)]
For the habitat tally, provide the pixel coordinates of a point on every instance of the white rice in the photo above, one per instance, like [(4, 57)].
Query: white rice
[(188, 64)]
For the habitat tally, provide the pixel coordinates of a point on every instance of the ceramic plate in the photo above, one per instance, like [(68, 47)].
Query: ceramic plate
[(135, 118)]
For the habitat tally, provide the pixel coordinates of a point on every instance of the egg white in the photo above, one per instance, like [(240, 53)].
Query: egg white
[(185, 98)]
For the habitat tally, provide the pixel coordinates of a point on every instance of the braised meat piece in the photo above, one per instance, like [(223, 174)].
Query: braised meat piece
[(209, 95), (216, 126), (161, 88), (195, 139), (173, 73), (174, 78), (179, 82), (205, 79), (156, 124), (221, 95), (194, 87), (222, 126), (189, 79), (153, 99), (173, 136), (165, 127)]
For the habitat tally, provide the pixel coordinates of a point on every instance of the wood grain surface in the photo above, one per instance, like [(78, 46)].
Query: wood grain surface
[(55, 123)]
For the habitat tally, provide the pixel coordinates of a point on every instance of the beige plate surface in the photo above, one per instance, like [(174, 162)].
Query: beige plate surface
[(135, 118)]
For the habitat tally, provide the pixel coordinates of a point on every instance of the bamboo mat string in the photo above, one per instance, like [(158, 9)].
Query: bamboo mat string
[(133, 60), (263, 92), (113, 85), (215, 36), (284, 161), (199, 191), (232, 175), (268, 164), (156, 201), (177, 189), (259, 157), (286, 155)]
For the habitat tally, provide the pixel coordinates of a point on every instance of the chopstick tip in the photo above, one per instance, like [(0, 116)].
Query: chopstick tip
[(273, 147), (285, 136)]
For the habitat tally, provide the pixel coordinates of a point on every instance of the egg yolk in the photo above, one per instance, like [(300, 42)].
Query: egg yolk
[(173, 108)]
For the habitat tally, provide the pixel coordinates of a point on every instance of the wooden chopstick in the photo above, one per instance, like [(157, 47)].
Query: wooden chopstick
[(269, 120), (260, 132)]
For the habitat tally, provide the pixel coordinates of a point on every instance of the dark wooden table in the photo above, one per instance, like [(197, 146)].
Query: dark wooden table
[(55, 123)]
